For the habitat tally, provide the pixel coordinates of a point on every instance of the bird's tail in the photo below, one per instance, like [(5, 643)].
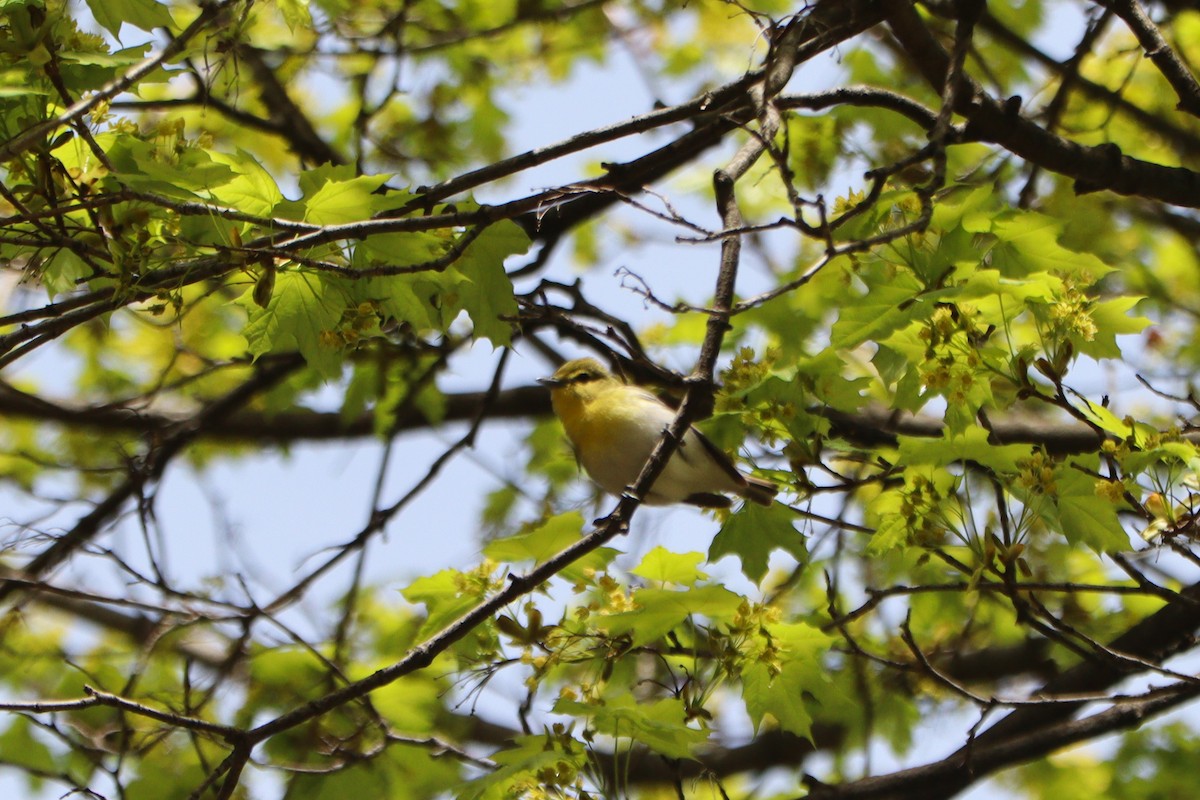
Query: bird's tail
[(759, 491)]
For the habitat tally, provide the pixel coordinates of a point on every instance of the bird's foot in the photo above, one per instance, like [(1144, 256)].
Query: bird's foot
[(622, 523)]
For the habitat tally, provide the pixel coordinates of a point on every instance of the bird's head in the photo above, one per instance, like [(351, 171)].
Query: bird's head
[(579, 377)]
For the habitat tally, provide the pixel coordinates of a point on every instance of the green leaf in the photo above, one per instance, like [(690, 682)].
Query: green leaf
[(292, 668), (970, 445), (902, 513), (253, 190), (1112, 319), (891, 365), (1083, 515), (21, 90), (420, 299), (660, 725), (410, 703), (403, 772), (362, 780), (167, 775), (886, 307), (123, 58), (340, 202), (892, 531), (786, 683), (443, 596), (661, 610), (548, 539), (311, 180), (1166, 454), (184, 174), (302, 307), (295, 13), (63, 272), (991, 283), (660, 564), (964, 203), (825, 374), (1027, 242), (24, 750), (537, 545), (488, 298), (426, 300), (144, 14), (775, 695), (1115, 425), (401, 249), (519, 767), (333, 8), (753, 533)]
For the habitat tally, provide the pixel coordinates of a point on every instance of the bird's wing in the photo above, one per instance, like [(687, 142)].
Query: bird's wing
[(708, 500), (656, 408), (718, 455)]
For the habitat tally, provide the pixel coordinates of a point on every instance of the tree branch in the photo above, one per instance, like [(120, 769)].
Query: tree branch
[(288, 119), (1180, 137), (945, 778), (869, 427), (1093, 168), (1159, 51)]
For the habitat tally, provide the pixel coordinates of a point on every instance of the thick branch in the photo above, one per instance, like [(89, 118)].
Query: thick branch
[(1036, 730), (1163, 634), (288, 119), (1180, 138), (1093, 168), (870, 427), (945, 778), (1157, 50)]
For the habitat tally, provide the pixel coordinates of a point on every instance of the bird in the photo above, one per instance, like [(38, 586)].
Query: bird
[(614, 426)]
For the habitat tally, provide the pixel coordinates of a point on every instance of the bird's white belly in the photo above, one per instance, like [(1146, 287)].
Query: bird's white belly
[(616, 466)]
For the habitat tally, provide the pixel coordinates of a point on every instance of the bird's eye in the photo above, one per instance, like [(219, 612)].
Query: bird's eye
[(583, 377)]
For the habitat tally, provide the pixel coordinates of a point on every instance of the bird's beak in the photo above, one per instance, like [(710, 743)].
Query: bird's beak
[(551, 382)]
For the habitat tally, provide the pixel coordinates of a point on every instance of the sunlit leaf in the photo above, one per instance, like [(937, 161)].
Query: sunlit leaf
[(144, 14), (753, 533), (304, 308)]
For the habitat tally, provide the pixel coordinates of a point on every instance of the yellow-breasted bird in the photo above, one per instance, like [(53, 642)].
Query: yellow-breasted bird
[(614, 426)]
